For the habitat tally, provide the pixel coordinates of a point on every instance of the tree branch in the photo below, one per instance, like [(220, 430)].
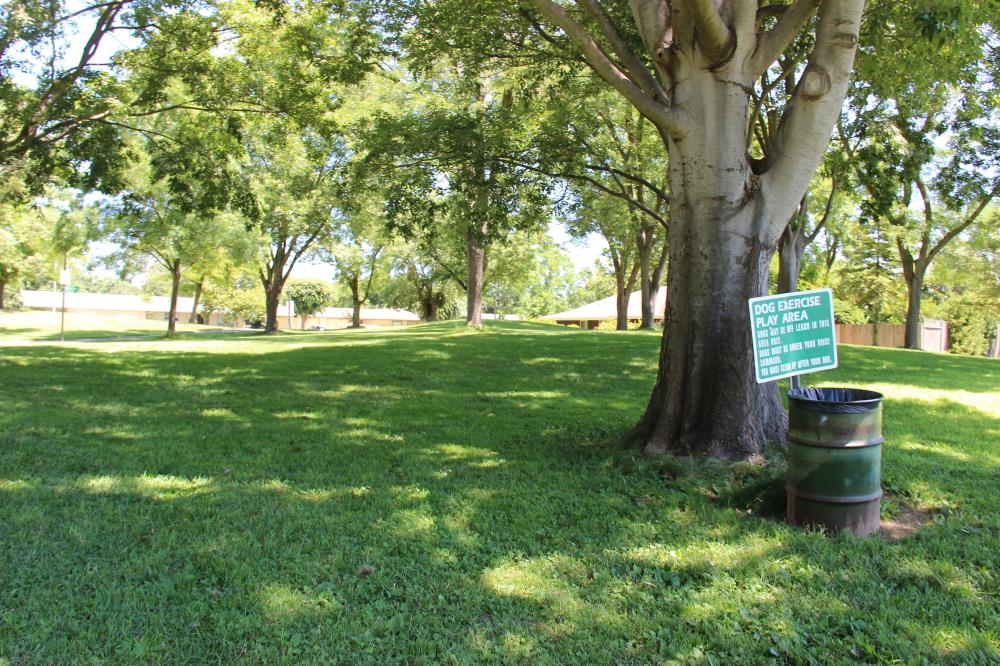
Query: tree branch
[(773, 43), (826, 213), (972, 217), (670, 119), (805, 128), (711, 32), (636, 68)]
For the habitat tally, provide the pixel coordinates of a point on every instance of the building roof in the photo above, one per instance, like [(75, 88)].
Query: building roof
[(607, 309), (113, 302), (136, 303), (390, 314)]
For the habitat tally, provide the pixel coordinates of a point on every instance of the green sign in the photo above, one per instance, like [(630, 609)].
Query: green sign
[(792, 334)]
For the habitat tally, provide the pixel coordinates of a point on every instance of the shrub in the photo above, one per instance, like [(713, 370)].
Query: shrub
[(969, 327)]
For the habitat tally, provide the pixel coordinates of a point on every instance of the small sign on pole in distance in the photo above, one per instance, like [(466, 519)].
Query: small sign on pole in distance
[(792, 334), (64, 277)]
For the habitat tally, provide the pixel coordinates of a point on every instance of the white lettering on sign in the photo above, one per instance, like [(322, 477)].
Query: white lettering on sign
[(792, 334)]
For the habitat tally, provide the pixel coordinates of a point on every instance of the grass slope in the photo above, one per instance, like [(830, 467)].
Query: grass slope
[(43, 325), (440, 495)]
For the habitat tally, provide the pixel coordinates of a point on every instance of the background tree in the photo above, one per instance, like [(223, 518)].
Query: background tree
[(448, 161), (177, 188), (294, 178), (357, 250), (923, 124), (597, 142), (309, 297), (611, 218), (239, 295), (964, 287), (23, 248), (530, 276)]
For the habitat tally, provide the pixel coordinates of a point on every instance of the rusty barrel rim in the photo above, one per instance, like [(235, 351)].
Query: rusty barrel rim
[(835, 400)]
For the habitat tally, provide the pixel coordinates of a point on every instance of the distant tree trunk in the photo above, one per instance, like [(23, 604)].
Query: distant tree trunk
[(3, 289), (356, 301), (197, 299), (653, 288), (175, 287), (913, 292), (272, 301), (273, 280), (621, 304), (623, 286), (644, 244), (476, 255), (914, 272), (429, 307), (791, 249), (303, 316)]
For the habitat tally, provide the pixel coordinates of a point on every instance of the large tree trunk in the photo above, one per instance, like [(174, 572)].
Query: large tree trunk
[(706, 400), (175, 287), (791, 249), (914, 288), (193, 319), (476, 255)]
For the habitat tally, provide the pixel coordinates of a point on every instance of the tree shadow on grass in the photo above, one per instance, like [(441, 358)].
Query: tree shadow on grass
[(158, 505)]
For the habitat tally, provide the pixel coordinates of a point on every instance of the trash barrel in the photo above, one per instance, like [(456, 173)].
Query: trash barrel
[(835, 458)]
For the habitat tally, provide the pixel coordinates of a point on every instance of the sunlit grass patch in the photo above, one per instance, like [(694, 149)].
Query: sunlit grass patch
[(439, 495)]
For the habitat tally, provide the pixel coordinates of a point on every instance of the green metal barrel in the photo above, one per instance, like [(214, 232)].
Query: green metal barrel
[(835, 458)]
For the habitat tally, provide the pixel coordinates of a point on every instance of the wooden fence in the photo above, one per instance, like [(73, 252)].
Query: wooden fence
[(933, 336)]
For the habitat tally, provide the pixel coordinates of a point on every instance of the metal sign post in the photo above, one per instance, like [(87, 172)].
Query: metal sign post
[(793, 334)]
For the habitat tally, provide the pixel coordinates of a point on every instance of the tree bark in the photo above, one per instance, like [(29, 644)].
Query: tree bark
[(914, 293), (644, 241), (621, 302), (197, 299), (356, 302), (476, 255), (706, 400), (175, 287), (791, 249), (272, 301), (3, 290)]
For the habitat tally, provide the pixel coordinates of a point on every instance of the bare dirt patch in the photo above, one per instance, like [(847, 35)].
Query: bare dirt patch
[(904, 523)]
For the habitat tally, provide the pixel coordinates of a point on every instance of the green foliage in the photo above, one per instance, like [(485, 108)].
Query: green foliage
[(612, 325), (969, 328), (871, 278), (309, 296), (529, 275), (95, 283), (239, 296), (290, 498), (848, 312), (22, 248)]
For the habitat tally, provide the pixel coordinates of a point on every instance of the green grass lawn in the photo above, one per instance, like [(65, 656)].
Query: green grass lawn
[(34, 325), (438, 495)]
